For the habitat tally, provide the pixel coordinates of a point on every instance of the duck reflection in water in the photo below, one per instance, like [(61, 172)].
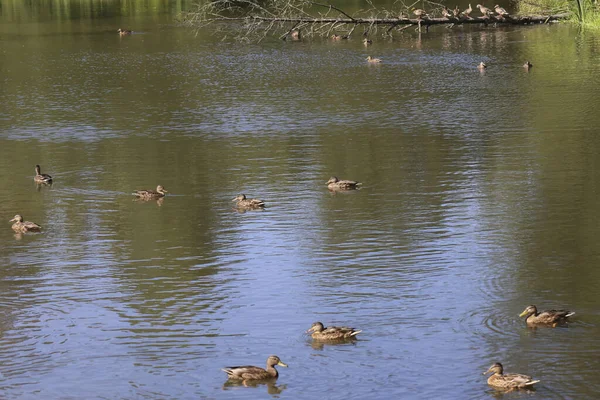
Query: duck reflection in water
[(272, 387)]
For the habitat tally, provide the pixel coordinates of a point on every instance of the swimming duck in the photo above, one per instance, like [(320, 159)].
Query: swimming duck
[(335, 184), (367, 42), (373, 60), (296, 35), (319, 332), (151, 194), (21, 226), (481, 66), (243, 202), (500, 11), (420, 13), (527, 65), (335, 37), (484, 10), (468, 11), (124, 32), (549, 317), (446, 13), (249, 372), (507, 381), (41, 178)]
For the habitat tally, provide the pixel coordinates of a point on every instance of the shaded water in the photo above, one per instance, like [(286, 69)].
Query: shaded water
[(479, 198)]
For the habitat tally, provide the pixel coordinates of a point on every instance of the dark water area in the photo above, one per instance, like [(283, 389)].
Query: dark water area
[(478, 199)]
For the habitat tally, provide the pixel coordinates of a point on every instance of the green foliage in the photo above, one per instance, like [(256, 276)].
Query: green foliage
[(583, 12)]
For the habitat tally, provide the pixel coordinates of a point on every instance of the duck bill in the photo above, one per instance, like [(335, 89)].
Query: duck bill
[(524, 313), (487, 372), (12, 220), (309, 330), (281, 364)]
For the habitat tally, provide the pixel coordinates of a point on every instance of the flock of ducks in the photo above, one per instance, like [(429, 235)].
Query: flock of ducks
[(332, 334), (458, 14)]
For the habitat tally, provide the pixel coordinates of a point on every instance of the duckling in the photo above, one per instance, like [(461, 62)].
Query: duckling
[(481, 66), (243, 202), (500, 11), (420, 13), (367, 42), (549, 317), (336, 184), (41, 178), (151, 194), (21, 226), (319, 332), (373, 60), (507, 381), (124, 32), (484, 10), (251, 373), (468, 11), (527, 65)]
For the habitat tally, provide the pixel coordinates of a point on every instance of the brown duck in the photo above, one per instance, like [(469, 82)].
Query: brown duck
[(151, 194), (243, 202), (41, 178), (251, 373), (501, 380), (549, 317), (319, 332), (124, 32), (336, 184), (21, 226)]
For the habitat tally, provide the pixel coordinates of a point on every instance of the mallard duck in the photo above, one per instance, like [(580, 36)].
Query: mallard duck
[(500, 11), (243, 202), (151, 194), (446, 13), (420, 13), (481, 66), (456, 12), (41, 178), (527, 65), (21, 226), (468, 11), (319, 332), (335, 37), (484, 10), (507, 381), (335, 184), (249, 372), (124, 32), (296, 35), (367, 42), (549, 317), (373, 60)]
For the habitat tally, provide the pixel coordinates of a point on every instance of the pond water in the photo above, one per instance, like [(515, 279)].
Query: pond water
[(479, 197)]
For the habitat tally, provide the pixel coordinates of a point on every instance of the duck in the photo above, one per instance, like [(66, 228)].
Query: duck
[(243, 202), (549, 317), (500, 11), (527, 65), (468, 11), (319, 332), (21, 226), (481, 66), (151, 194), (456, 12), (296, 35), (41, 178), (336, 184), (420, 13), (484, 10), (446, 13), (367, 42), (507, 381), (124, 32), (251, 373), (373, 60), (335, 37)]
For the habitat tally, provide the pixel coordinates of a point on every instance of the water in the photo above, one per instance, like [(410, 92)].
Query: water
[(478, 199)]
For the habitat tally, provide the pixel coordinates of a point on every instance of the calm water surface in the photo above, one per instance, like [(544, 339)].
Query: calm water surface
[(479, 198)]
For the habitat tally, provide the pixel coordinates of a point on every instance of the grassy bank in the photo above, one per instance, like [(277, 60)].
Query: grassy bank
[(583, 12)]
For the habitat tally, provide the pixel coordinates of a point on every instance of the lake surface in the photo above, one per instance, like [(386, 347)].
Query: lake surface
[(479, 197)]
